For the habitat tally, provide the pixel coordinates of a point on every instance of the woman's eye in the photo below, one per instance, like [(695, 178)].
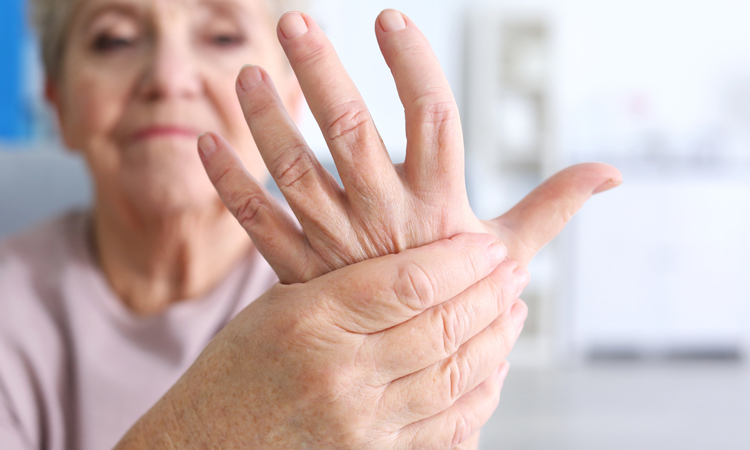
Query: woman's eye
[(106, 43), (227, 40)]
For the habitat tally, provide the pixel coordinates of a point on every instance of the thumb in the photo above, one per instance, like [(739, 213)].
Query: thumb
[(542, 214)]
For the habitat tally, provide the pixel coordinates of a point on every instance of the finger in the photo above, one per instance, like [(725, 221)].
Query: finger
[(455, 425), (273, 232), (436, 388), (360, 156), (437, 334), (311, 192), (539, 217), (434, 153), (380, 293)]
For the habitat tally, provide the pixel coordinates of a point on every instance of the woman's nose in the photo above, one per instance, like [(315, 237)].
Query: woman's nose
[(170, 72)]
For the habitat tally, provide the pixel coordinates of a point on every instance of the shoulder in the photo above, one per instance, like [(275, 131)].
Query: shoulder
[(32, 275), (32, 323), (32, 262)]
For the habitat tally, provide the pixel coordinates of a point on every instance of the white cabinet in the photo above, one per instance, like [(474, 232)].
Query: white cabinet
[(509, 141), (662, 267)]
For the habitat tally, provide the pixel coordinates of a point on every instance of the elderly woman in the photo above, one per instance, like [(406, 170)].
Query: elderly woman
[(134, 325)]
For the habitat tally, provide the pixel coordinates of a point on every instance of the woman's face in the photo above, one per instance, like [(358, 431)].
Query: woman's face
[(141, 79)]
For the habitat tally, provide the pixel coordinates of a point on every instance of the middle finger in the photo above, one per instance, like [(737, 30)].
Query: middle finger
[(360, 156)]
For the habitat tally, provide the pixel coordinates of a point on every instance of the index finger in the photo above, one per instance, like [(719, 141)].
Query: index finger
[(381, 293)]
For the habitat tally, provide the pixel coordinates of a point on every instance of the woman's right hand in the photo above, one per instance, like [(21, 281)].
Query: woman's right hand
[(396, 352)]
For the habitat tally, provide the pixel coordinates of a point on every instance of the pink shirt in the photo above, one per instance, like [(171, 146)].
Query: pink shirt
[(77, 369)]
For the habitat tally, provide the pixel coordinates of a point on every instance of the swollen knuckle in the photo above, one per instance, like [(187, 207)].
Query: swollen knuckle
[(414, 287), (347, 123), (288, 173), (436, 108), (248, 208)]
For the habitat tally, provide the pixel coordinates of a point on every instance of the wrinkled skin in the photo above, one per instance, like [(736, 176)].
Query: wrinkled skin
[(401, 352), (382, 208)]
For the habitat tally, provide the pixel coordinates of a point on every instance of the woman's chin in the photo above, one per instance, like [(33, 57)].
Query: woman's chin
[(169, 197), (161, 188)]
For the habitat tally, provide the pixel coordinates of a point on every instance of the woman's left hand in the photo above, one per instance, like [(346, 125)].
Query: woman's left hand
[(383, 208)]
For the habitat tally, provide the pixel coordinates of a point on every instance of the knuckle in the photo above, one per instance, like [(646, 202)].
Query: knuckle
[(248, 209), (437, 118), (565, 206), (434, 109), (461, 430), (451, 330), (288, 173), (258, 106), (310, 52), (456, 378), (414, 287), (348, 122)]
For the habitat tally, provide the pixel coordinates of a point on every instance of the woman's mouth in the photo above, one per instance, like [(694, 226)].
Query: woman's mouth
[(161, 131)]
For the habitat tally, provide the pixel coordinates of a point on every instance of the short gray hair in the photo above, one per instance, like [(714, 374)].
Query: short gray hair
[(51, 20)]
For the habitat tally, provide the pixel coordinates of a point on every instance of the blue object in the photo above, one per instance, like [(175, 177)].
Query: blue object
[(14, 117)]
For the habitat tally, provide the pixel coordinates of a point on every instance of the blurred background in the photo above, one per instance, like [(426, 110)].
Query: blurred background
[(639, 324)]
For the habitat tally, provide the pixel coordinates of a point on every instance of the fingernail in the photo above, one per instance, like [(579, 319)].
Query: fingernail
[(250, 77), (518, 312), (607, 185), (497, 252), (502, 371), (293, 25), (206, 145), (521, 278), (392, 20)]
